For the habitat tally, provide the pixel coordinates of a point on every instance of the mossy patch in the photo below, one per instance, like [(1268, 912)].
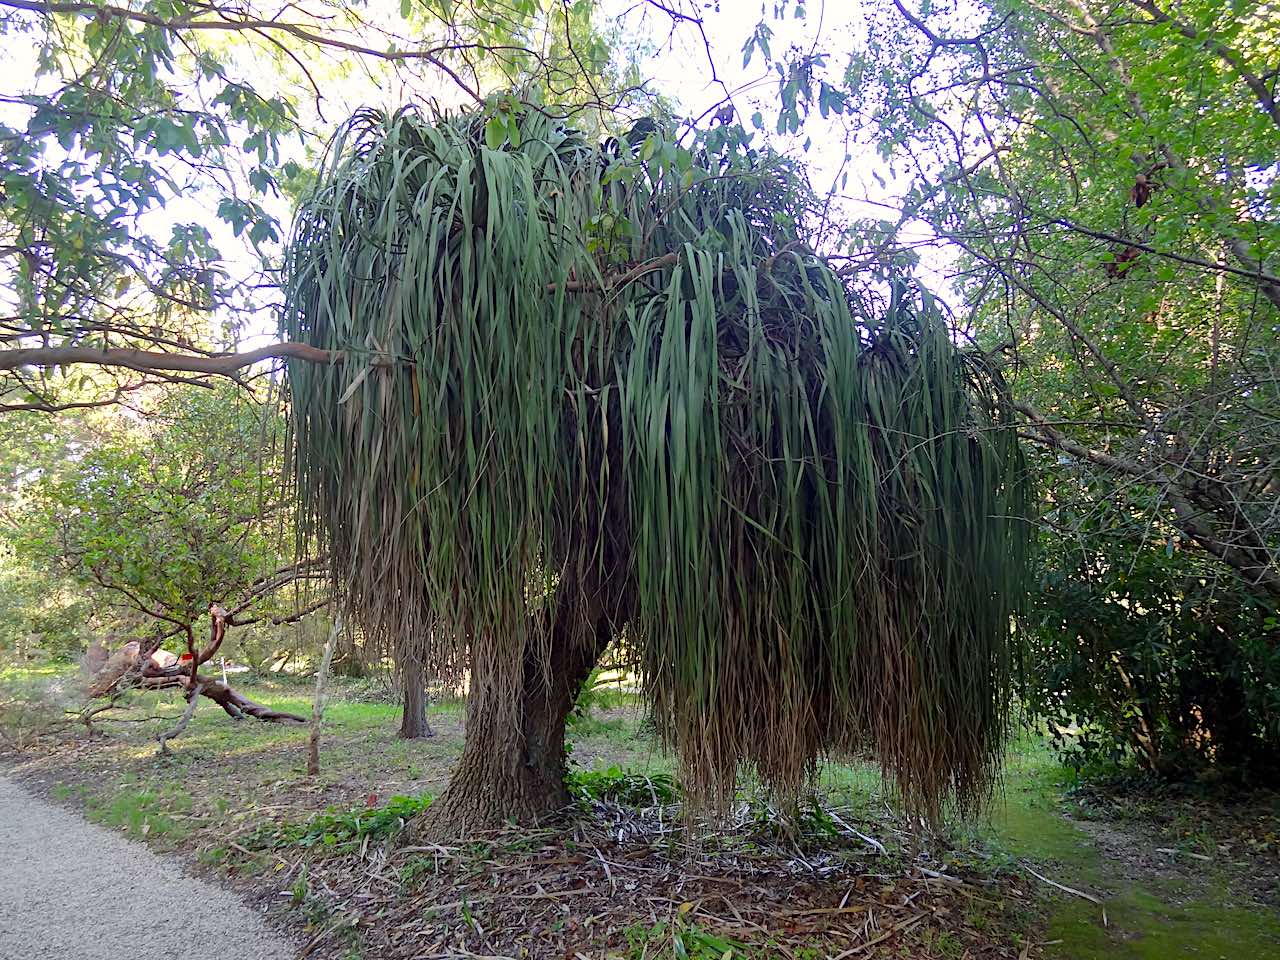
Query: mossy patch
[(1161, 919), (1144, 927)]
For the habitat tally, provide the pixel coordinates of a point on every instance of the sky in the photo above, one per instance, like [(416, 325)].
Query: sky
[(695, 74), (836, 28), (699, 75)]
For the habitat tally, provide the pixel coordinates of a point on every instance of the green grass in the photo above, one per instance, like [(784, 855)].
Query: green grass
[(227, 778), (1145, 927), (681, 938), (140, 813), (1160, 920), (50, 670)]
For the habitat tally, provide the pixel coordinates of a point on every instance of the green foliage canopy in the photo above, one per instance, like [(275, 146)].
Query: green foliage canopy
[(163, 517), (1105, 176), (574, 380)]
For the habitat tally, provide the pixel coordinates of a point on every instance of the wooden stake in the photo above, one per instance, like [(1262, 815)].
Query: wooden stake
[(317, 703)]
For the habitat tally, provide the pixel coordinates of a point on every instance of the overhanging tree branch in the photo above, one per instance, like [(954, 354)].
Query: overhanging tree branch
[(228, 364), (154, 361), (1229, 56), (1253, 565), (229, 21)]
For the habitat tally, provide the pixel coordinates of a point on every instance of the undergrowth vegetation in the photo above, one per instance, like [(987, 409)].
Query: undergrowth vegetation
[(239, 800), (340, 829)]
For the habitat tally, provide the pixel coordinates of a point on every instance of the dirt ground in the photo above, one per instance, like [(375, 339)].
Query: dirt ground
[(623, 876)]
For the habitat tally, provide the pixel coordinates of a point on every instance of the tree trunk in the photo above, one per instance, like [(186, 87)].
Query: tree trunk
[(413, 722), (317, 701), (193, 698), (517, 772)]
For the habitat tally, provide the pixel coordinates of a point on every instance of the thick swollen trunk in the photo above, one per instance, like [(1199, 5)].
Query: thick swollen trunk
[(516, 772), (413, 723)]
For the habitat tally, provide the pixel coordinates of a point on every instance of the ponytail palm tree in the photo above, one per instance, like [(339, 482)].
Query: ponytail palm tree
[(578, 390)]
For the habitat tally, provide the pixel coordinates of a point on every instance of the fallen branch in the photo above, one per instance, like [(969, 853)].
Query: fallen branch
[(135, 665), (1071, 890), (1186, 853)]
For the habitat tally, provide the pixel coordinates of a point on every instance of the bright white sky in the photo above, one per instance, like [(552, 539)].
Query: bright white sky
[(681, 70)]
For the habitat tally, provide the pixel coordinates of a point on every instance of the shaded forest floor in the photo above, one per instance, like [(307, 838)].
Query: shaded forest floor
[(1179, 874)]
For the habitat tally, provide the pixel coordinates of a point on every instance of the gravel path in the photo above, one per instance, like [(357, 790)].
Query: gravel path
[(70, 890)]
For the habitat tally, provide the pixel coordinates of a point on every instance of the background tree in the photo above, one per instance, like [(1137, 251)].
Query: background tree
[(1107, 174), (161, 515), (42, 610), (148, 150), (1109, 177), (413, 680), (583, 389), (1149, 655)]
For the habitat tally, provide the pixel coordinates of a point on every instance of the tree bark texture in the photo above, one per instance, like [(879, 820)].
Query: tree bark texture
[(507, 774), (413, 721), (517, 773)]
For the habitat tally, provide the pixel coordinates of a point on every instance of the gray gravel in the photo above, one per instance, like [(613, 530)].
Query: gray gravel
[(70, 890)]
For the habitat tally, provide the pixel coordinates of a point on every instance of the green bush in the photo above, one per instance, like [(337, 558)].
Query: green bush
[(341, 828), (1139, 654), (28, 709), (630, 789)]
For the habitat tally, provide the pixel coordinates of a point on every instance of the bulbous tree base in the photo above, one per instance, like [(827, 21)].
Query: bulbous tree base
[(515, 772)]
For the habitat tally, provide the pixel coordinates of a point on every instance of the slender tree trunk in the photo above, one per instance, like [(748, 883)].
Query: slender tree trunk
[(317, 702), (413, 722), (193, 698)]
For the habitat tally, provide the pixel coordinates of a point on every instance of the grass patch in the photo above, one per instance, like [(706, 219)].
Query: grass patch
[(682, 939), (615, 785), (341, 829), (140, 813), (48, 670)]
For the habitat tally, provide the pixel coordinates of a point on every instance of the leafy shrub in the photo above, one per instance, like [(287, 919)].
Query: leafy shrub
[(341, 828), (41, 612), (630, 789), (808, 818), (1140, 655), (29, 708), (681, 939), (588, 699)]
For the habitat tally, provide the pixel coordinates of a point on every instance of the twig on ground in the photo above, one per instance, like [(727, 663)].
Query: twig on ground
[(1063, 887)]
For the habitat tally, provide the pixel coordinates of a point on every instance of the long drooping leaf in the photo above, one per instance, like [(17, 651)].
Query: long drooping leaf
[(562, 364)]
